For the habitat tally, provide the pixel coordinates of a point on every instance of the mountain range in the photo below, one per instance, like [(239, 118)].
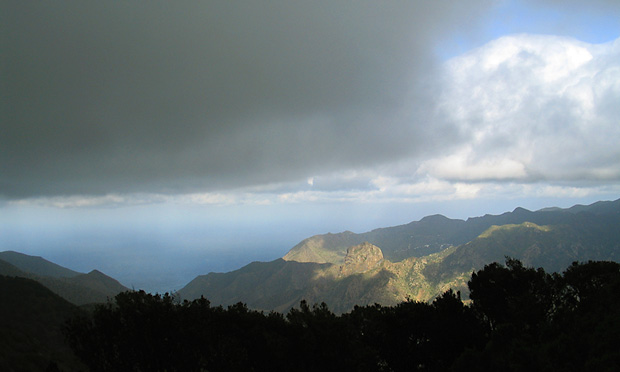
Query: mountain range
[(417, 261)]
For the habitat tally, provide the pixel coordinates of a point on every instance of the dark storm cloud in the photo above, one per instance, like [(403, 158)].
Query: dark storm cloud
[(102, 97)]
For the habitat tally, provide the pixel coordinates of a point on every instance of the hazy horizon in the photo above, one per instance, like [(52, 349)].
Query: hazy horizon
[(159, 141), (162, 263)]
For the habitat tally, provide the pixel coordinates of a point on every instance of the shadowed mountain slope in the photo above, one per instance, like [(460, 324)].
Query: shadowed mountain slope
[(75, 287), (260, 284), (31, 321), (9, 269), (94, 287), (37, 265)]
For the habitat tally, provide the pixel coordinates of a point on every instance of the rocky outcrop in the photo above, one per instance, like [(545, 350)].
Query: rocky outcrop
[(361, 258)]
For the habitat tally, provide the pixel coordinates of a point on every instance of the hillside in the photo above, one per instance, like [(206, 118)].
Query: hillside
[(75, 287), (94, 287), (552, 247), (422, 259), (37, 265), (31, 319), (279, 285)]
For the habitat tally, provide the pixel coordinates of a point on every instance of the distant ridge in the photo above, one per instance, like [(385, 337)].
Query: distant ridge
[(37, 265), (433, 233), (75, 287), (416, 239), (419, 260), (9, 269)]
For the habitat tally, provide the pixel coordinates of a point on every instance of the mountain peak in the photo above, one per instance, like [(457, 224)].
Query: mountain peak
[(434, 218), (520, 210)]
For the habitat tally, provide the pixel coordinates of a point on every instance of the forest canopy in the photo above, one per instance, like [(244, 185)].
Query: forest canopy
[(518, 318)]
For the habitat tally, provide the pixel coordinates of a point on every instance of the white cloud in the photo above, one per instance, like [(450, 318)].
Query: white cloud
[(548, 58), (81, 201), (531, 108), (464, 166)]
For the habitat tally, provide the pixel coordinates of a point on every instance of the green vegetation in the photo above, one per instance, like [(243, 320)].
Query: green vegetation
[(519, 319), (495, 229)]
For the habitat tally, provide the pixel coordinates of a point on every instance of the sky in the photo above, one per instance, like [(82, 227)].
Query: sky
[(156, 141)]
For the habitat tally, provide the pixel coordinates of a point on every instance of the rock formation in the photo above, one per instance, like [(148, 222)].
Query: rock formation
[(361, 258)]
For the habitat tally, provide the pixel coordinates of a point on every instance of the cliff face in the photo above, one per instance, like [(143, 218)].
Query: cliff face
[(361, 258)]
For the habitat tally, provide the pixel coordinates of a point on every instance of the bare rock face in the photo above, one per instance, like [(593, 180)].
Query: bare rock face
[(361, 258)]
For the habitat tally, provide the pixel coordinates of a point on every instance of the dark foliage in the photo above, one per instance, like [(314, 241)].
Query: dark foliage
[(31, 322), (519, 319), (542, 322)]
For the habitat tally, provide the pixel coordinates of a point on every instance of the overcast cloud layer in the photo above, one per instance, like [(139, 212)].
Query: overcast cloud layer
[(296, 101), (120, 97)]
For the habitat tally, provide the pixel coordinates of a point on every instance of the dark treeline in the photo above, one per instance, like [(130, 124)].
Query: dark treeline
[(518, 319)]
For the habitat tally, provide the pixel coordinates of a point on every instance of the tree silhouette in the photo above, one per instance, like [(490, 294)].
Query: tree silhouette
[(511, 295), (519, 319)]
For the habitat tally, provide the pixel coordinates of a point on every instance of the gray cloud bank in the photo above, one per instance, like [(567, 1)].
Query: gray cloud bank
[(112, 98), (104, 97)]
